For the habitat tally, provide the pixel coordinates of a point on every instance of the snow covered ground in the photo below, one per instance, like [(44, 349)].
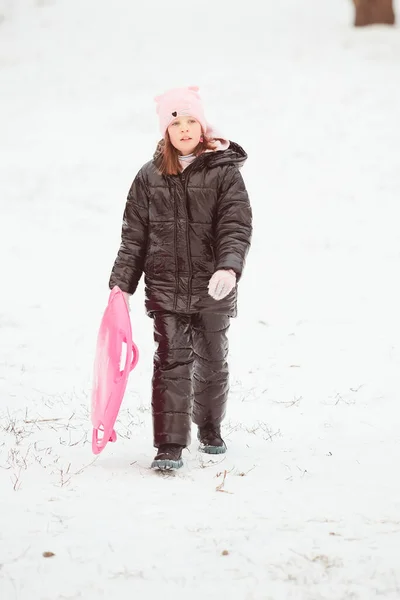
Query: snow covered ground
[(306, 504)]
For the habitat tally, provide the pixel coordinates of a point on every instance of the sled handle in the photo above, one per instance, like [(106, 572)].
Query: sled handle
[(99, 445), (135, 356), (123, 339)]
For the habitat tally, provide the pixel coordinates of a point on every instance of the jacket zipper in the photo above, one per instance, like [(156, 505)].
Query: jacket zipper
[(175, 243), (189, 292), (176, 248)]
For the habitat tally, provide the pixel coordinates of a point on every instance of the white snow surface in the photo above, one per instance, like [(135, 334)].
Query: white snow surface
[(306, 503)]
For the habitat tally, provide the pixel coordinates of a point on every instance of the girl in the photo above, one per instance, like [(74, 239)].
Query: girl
[(187, 225)]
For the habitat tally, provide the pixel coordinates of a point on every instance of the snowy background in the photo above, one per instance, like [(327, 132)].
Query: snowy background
[(306, 503)]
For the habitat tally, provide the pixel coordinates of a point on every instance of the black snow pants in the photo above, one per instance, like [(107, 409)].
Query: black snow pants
[(191, 378)]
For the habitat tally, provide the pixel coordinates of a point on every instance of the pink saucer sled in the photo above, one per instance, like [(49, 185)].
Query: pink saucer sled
[(114, 346)]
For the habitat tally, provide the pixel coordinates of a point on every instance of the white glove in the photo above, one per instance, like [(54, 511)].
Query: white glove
[(221, 283), (127, 299)]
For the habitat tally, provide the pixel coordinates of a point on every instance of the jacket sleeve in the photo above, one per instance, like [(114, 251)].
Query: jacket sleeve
[(234, 223), (128, 266)]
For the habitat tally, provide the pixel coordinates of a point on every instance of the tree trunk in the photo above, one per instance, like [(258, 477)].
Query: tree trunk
[(372, 12)]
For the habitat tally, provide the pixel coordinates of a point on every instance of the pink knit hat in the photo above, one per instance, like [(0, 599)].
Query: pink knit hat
[(180, 102)]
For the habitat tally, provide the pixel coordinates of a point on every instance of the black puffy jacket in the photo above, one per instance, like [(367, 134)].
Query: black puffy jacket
[(179, 229)]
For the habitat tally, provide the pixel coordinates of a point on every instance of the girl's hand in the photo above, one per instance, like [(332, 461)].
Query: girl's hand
[(221, 283)]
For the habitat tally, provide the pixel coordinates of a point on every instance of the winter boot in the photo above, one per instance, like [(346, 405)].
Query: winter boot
[(169, 457), (210, 439)]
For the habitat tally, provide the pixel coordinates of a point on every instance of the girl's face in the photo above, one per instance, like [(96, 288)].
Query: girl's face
[(185, 133)]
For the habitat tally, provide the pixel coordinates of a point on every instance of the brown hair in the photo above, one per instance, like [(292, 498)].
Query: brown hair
[(168, 163)]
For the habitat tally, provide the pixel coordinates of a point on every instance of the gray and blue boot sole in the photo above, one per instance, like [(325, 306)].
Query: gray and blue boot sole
[(167, 464), (212, 449)]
